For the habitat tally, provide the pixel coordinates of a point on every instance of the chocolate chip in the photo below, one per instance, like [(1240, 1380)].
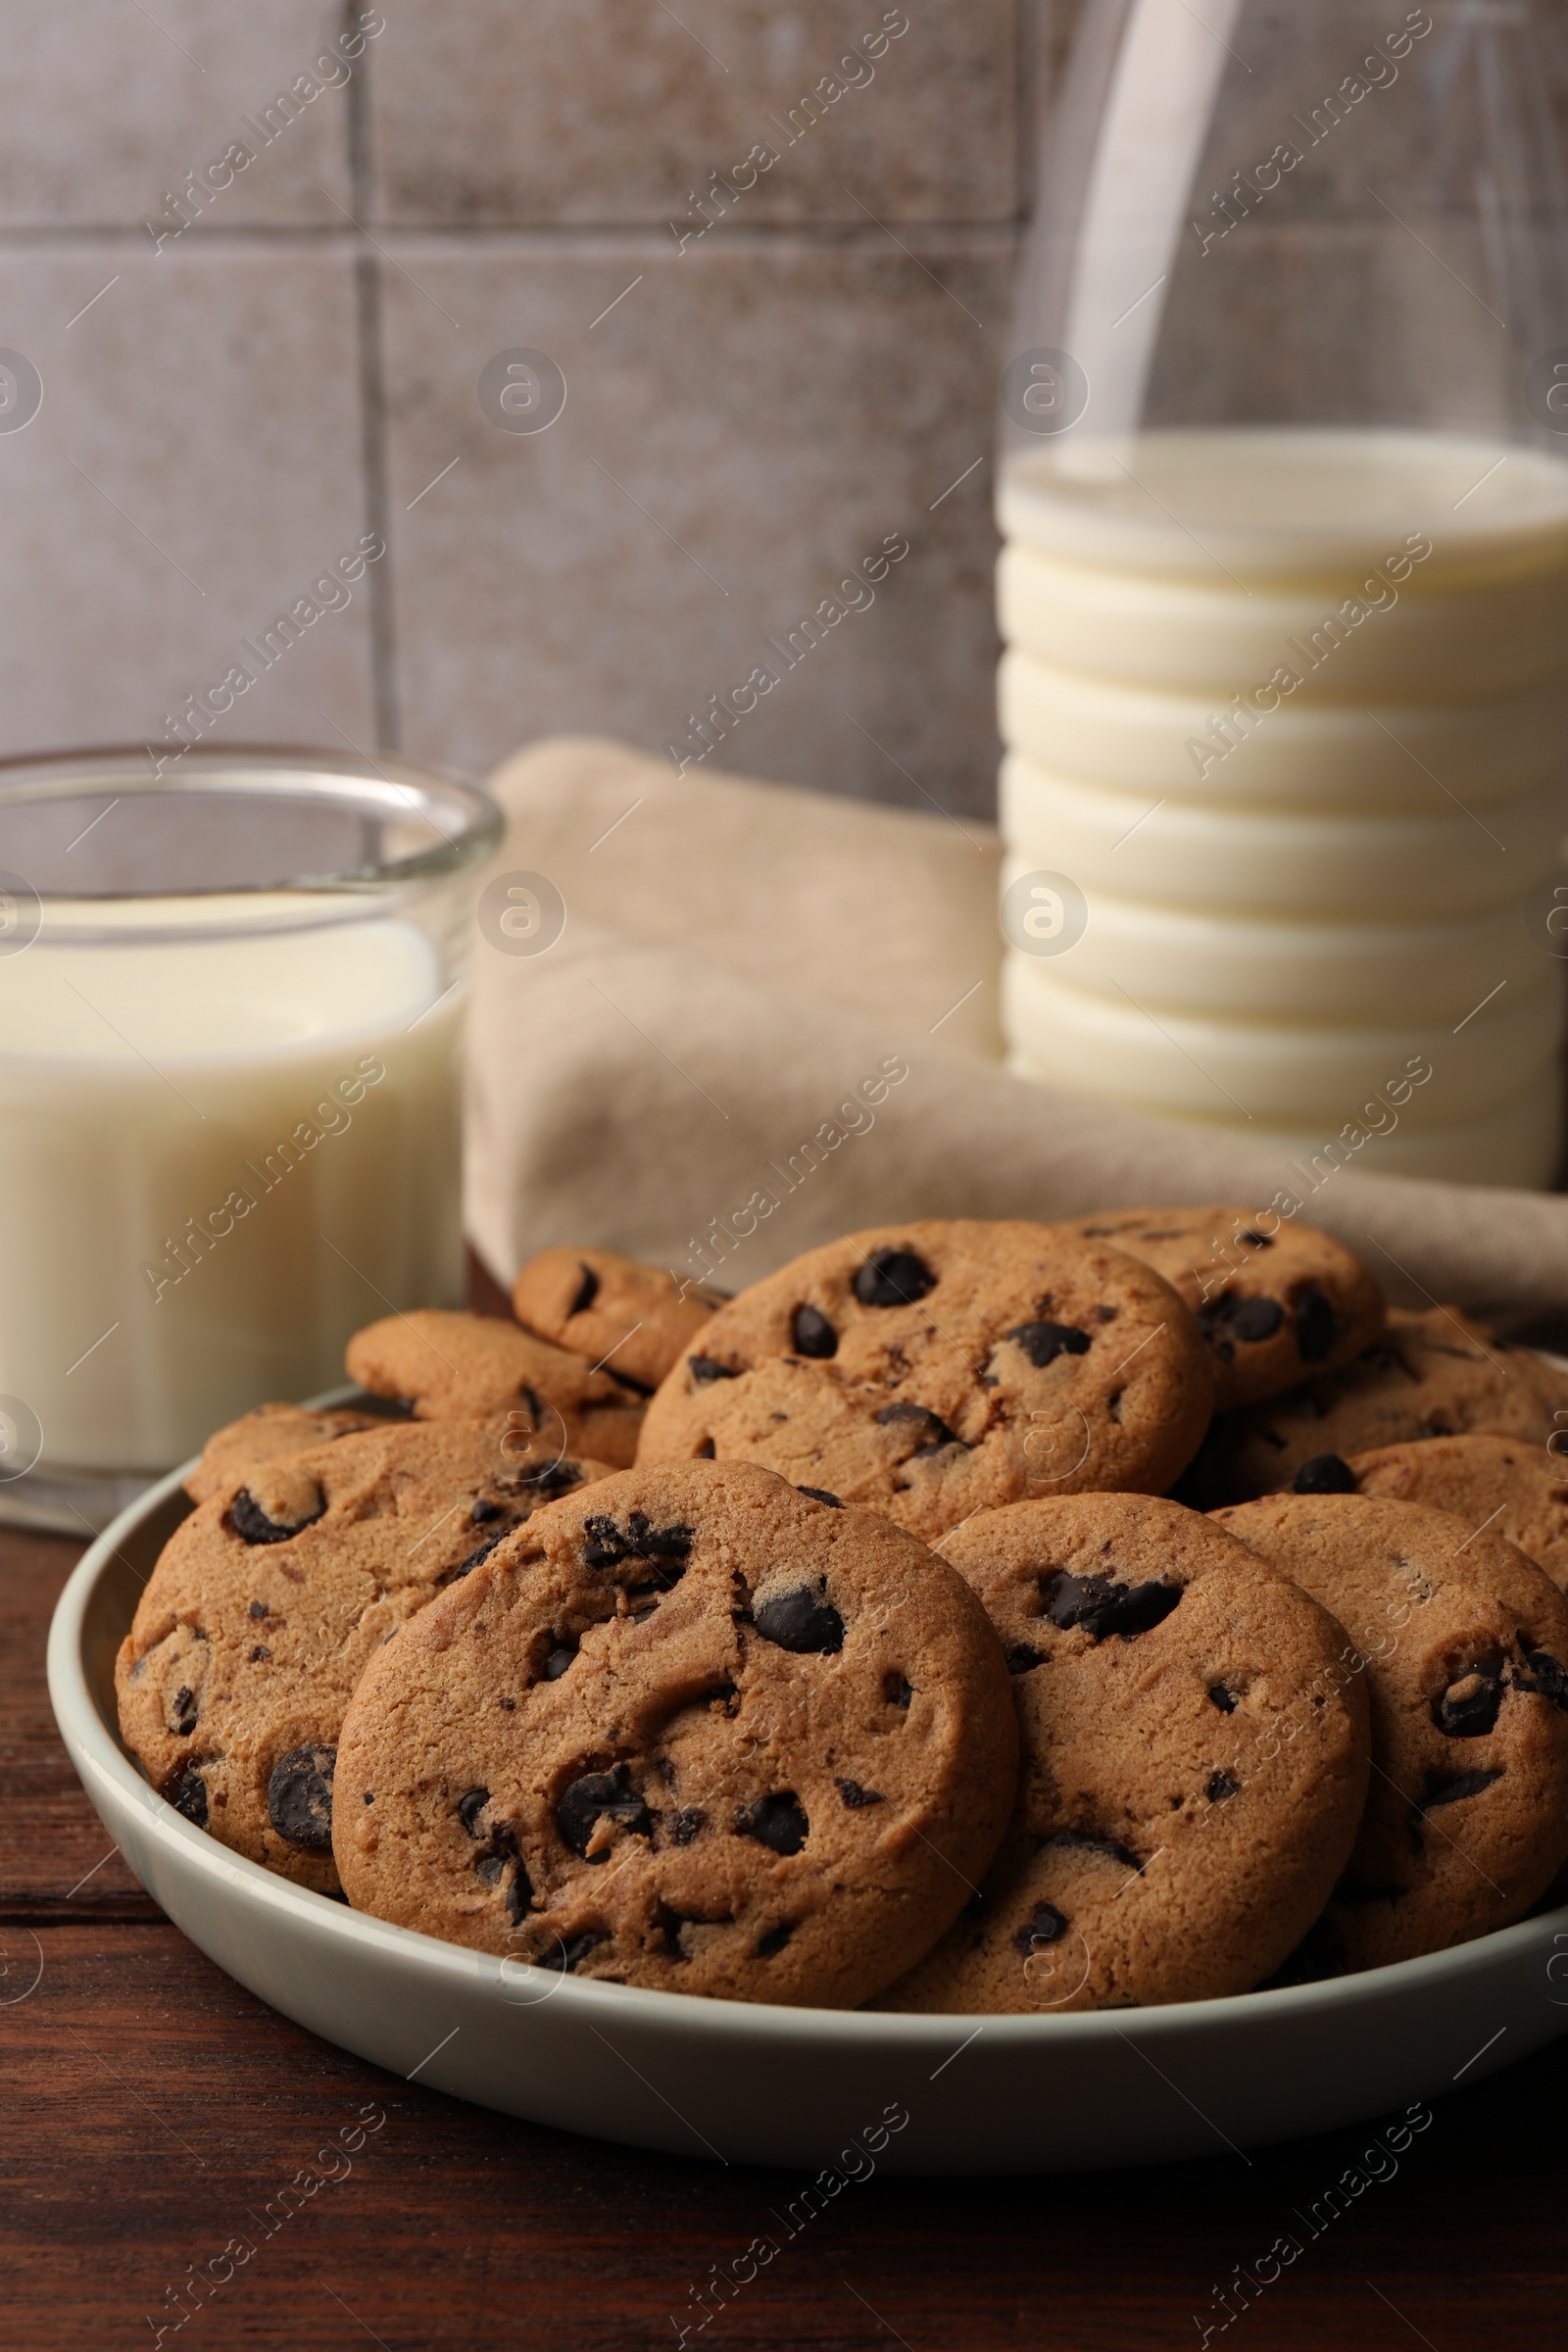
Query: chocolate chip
[(558, 1479), (1256, 1241), (1021, 1659), (184, 1712), (560, 1657), (607, 1546), (1103, 1607), (1470, 1706), (821, 1495), (519, 1890), (500, 1846), (257, 1608), (480, 1551), (1223, 1699), (686, 1824), (1547, 1676), (569, 1956), (1318, 1327), (258, 1651), (587, 1292), (470, 1809), (1234, 1318), (777, 1821), (1441, 1792), (892, 1277), (483, 1511), (800, 1621), (811, 1332), (584, 1801), (855, 1795), (672, 1926), (1326, 1474), (1043, 1342), (932, 1431), (1220, 1787), (510, 1705), (1047, 1926), (704, 1368), (185, 1789), (706, 1452), (773, 1940), (252, 1525), (298, 1797), (896, 1690)]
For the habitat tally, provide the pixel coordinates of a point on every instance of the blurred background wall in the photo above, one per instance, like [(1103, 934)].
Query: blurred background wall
[(774, 370)]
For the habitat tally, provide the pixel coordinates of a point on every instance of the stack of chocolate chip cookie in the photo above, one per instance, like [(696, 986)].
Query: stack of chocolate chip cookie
[(973, 1617)]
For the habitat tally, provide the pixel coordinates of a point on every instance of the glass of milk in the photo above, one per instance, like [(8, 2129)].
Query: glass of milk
[(1284, 491), (231, 1004)]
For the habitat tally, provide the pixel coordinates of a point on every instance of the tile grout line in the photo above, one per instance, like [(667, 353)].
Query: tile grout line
[(1028, 69), (369, 331), (388, 732), (542, 238)]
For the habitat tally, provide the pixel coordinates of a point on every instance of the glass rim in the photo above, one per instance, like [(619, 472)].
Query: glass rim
[(385, 784)]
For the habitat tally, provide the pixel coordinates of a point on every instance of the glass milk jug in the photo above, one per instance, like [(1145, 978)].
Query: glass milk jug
[(1284, 491)]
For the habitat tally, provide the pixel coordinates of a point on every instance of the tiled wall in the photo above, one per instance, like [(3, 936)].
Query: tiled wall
[(750, 407)]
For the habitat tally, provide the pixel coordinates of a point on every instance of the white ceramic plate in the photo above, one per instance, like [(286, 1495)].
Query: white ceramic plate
[(797, 2087)]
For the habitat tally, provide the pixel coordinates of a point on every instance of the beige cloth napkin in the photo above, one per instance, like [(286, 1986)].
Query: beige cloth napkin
[(771, 1017)]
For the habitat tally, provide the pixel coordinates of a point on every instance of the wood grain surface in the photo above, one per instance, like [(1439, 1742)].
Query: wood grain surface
[(152, 2114)]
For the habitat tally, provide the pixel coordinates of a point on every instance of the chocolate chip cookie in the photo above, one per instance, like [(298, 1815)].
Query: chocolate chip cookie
[(266, 1602), (1521, 1491), (457, 1367), (1191, 1780), (1274, 1299), (931, 1370), (632, 1319), (1430, 1375), (270, 1433), (695, 1730), (1463, 1645)]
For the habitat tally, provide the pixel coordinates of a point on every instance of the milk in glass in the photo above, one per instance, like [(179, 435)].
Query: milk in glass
[(218, 1156)]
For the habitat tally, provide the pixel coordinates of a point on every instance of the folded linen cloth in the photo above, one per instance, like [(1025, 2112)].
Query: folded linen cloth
[(771, 1017)]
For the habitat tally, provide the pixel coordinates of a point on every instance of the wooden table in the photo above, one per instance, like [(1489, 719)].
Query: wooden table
[(150, 2109)]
